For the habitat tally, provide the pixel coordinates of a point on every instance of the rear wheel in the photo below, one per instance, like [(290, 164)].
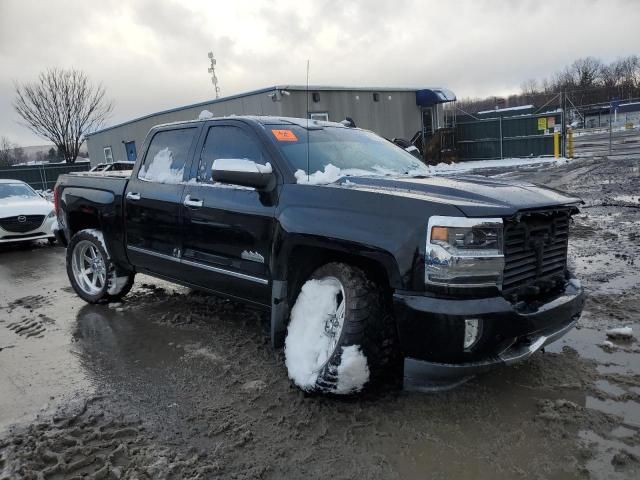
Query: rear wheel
[(92, 274), (341, 336)]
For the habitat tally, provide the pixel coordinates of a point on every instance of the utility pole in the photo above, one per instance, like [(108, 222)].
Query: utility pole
[(212, 71)]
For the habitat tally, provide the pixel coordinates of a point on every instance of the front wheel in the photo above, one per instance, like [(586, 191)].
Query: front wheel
[(340, 337), (92, 274)]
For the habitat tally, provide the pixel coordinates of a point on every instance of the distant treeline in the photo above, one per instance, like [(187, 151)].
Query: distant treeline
[(586, 81)]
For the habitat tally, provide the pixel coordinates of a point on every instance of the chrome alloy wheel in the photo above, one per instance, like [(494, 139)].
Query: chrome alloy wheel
[(334, 322), (89, 268)]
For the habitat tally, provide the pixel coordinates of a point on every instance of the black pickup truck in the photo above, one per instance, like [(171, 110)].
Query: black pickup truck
[(368, 264)]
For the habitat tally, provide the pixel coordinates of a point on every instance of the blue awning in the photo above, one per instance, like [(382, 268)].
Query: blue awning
[(427, 97)]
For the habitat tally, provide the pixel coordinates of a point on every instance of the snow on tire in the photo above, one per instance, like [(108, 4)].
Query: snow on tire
[(334, 336)]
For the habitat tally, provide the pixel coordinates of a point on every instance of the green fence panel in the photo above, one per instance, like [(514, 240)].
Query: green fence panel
[(42, 177), (529, 135)]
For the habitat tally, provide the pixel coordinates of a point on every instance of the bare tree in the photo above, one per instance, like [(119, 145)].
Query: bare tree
[(62, 106), (6, 147)]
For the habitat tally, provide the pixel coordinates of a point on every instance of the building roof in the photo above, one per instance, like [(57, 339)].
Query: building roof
[(265, 120), (322, 88)]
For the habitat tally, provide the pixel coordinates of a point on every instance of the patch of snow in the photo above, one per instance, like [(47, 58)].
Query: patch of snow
[(330, 174), (621, 332), (607, 344), (575, 283), (241, 165), (306, 343), (443, 168), (353, 371), (204, 114), (159, 170), (627, 198), (253, 385), (194, 350), (508, 109)]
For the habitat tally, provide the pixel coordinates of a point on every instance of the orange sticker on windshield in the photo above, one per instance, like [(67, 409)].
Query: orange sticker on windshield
[(284, 135)]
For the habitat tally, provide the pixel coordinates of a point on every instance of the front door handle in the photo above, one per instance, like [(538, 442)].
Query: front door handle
[(193, 203), (133, 196)]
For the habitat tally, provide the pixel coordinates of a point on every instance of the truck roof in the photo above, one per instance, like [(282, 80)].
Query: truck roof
[(264, 120)]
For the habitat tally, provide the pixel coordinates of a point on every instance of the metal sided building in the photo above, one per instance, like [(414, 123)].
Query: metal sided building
[(390, 112)]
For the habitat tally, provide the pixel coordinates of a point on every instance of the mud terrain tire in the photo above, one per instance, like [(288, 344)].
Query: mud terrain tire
[(112, 285), (367, 326)]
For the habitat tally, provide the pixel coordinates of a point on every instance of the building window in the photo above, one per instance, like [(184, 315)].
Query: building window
[(108, 155), (376, 97), (322, 116), (315, 96)]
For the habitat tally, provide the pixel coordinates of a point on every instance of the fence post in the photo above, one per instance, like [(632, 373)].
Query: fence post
[(556, 144), (500, 117), (610, 130), (46, 183), (570, 142)]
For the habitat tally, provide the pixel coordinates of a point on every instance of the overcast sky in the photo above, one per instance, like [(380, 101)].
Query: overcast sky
[(152, 54)]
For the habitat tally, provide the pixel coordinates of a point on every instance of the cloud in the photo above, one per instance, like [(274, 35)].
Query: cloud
[(152, 54)]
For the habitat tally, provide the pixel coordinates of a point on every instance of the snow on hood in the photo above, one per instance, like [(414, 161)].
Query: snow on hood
[(19, 205), (332, 173)]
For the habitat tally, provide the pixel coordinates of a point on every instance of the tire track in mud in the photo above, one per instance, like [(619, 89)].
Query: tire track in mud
[(94, 445)]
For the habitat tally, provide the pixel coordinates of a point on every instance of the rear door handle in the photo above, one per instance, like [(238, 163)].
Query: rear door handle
[(193, 203), (133, 196)]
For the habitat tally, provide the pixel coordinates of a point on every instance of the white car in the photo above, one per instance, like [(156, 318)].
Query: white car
[(24, 215)]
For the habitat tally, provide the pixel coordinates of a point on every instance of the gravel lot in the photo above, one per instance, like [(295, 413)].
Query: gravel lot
[(175, 384)]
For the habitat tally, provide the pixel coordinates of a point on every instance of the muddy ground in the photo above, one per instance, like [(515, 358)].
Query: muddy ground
[(176, 384)]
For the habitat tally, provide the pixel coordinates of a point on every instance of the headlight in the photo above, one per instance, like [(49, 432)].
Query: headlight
[(464, 252), (52, 214)]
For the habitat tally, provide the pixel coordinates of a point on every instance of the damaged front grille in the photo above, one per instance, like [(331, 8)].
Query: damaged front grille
[(535, 252)]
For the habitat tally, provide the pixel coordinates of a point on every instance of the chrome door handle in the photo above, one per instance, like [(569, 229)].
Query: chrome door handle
[(192, 203), (133, 196)]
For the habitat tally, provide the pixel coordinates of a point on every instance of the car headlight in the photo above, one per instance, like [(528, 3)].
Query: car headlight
[(464, 252), (52, 214)]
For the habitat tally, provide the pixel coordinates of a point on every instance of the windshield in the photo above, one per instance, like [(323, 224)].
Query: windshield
[(18, 190), (336, 152)]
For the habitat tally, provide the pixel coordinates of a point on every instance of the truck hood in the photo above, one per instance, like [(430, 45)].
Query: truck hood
[(475, 196), (12, 206)]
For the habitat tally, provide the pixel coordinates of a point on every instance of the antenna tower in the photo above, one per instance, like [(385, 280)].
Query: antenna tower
[(212, 71)]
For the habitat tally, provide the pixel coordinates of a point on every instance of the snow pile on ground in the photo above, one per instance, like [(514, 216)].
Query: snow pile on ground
[(159, 170), (306, 344), (444, 168), (204, 114), (353, 371), (621, 332)]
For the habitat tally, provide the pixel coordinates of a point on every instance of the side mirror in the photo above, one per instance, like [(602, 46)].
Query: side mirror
[(242, 172)]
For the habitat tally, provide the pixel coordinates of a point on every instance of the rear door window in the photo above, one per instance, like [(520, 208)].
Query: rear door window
[(227, 142), (167, 156)]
